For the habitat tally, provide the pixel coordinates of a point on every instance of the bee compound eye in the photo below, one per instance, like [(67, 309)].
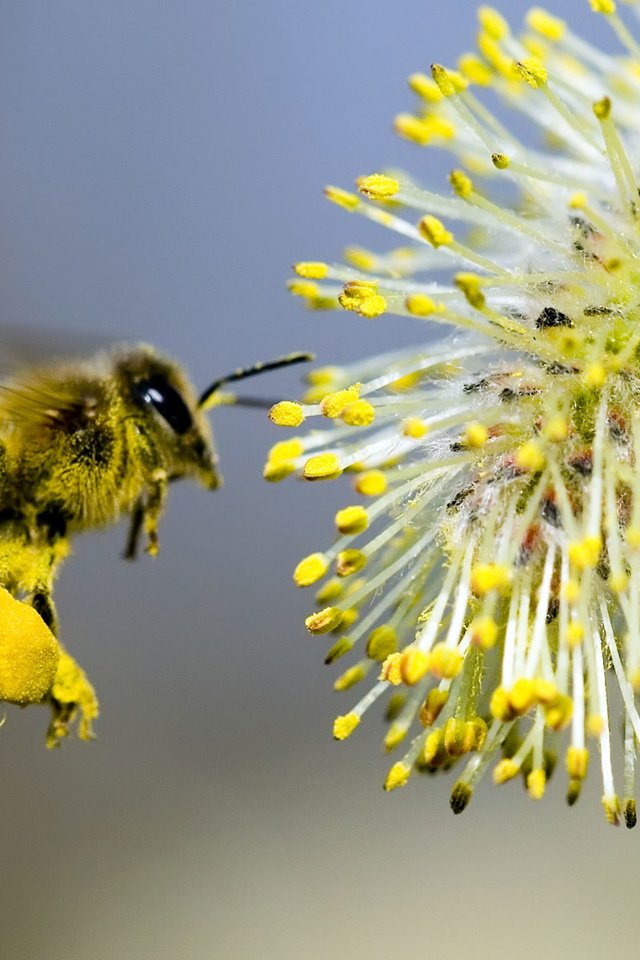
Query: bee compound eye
[(166, 400)]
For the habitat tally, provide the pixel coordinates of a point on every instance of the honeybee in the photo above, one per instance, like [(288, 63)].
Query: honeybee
[(83, 444)]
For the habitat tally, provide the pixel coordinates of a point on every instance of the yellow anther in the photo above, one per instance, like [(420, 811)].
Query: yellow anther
[(333, 404), (551, 28), (377, 186), (522, 696), (395, 735), (491, 51), (329, 591), (611, 805), (530, 457), (420, 305), (349, 678), (434, 231), (475, 436), (342, 646), (536, 783), (344, 726), (486, 577), (584, 554), (303, 288), (575, 634), (351, 520), (432, 707), (602, 108), (414, 665), (484, 632), (493, 23), (324, 466), (360, 258), (531, 72), (370, 307), (372, 483), (360, 413), (556, 429), (343, 198), (461, 183), (619, 582), (594, 725), (473, 69), (461, 796), (324, 621), (632, 536), (413, 129), (571, 591), (349, 562), (407, 382), (287, 413), (449, 82), (391, 669), (433, 747), (480, 730), (500, 161), (397, 776), (500, 705), (456, 737), (603, 6), (577, 762), (578, 201), (471, 286), (559, 714), (276, 470), (505, 770), (382, 642), (415, 428), (445, 662), (286, 450), (424, 87), (595, 375), (311, 270), (310, 569), (545, 691)]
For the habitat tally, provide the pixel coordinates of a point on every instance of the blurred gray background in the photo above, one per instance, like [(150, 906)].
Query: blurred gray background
[(161, 167)]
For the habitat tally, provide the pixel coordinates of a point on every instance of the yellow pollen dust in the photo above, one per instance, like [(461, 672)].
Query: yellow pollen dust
[(577, 762), (530, 457), (324, 620), (287, 413), (29, 652), (486, 577), (397, 776), (310, 569), (536, 782), (504, 771), (351, 520), (475, 436), (415, 428), (377, 186), (372, 483), (311, 270), (360, 413), (434, 231), (324, 466), (414, 664), (286, 450), (344, 726), (349, 562), (333, 404), (391, 669), (531, 72)]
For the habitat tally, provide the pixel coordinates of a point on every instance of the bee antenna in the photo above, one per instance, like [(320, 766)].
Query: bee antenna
[(205, 402)]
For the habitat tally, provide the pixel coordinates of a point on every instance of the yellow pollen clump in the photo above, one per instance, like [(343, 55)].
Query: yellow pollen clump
[(531, 72), (370, 307), (445, 662), (486, 577), (500, 705), (484, 632), (324, 621), (434, 231), (546, 691), (420, 305), (324, 466), (551, 28), (286, 450), (530, 457), (311, 270), (395, 735), (349, 678), (522, 696), (349, 562), (595, 375), (574, 634), (415, 428), (310, 569), (287, 413), (471, 286), (504, 771), (475, 436), (352, 520), (500, 161), (344, 726), (382, 642), (414, 664), (556, 430), (461, 183), (372, 483), (577, 762), (559, 713), (424, 87), (276, 470), (333, 405), (343, 198), (378, 186), (360, 413), (536, 782), (603, 6), (29, 652), (397, 776), (584, 554), (391, 670)]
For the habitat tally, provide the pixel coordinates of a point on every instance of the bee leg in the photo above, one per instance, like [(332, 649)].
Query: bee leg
[(156, 499), (135, 529), (42, 603), (71, 698)]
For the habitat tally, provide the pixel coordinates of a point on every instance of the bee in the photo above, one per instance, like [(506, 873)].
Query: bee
[(83, 444)]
